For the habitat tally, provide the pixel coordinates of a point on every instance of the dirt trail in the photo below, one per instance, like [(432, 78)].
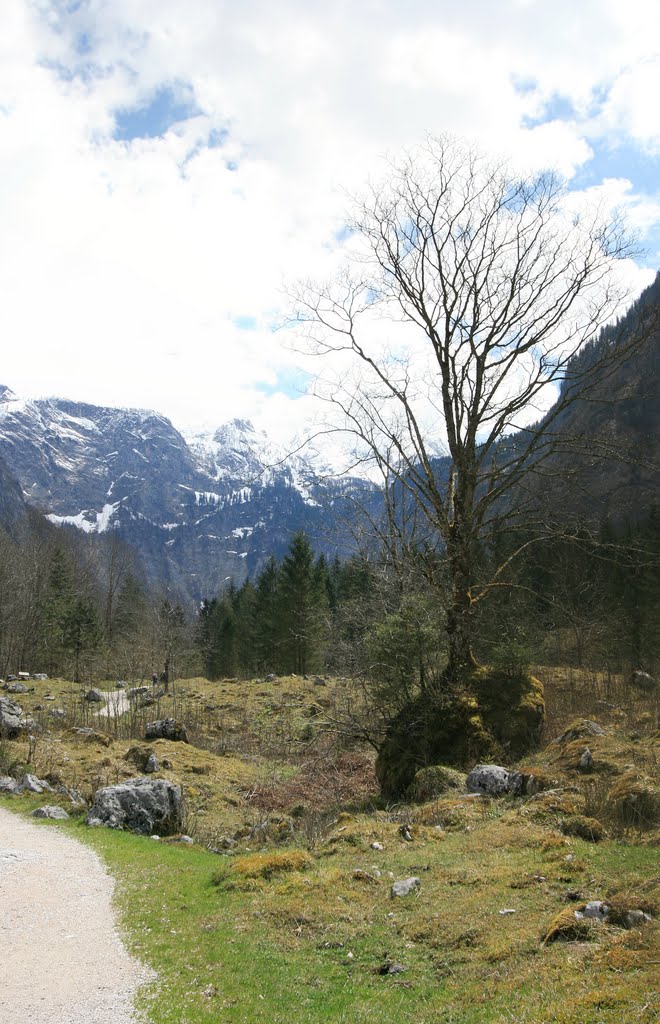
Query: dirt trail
[(62, 959)]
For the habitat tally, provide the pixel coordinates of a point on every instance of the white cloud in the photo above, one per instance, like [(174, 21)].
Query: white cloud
[(126, 265)]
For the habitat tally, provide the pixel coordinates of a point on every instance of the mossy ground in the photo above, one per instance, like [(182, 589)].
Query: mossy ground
[(301, 930)]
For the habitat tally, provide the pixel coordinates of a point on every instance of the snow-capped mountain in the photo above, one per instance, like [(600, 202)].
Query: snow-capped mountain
[(198, 509)]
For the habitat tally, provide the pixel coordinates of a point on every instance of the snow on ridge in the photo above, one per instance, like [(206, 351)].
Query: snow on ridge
[(87, 520)]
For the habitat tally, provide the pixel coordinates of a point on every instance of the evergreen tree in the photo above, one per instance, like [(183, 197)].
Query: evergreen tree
[(267, 619), (302, 608), (81, 632), (58, 609)]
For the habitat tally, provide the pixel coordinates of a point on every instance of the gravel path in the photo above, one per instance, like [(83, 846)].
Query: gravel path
[(62, 959)]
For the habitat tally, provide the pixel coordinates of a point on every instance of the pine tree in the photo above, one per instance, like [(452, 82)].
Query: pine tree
[(267, 620), (302, 608)]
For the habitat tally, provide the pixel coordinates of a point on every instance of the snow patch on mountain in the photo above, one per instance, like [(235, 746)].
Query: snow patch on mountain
[(88, 521)]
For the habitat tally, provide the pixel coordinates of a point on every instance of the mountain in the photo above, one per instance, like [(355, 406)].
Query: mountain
[(198, 510)]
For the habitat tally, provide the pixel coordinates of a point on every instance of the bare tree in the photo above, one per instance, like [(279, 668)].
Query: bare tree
[(469, 292)]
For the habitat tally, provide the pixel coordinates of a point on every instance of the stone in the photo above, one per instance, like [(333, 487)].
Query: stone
[(8, 785), (388, 968), (405, 886), (579, 729), (377, 846), (166, 729), (40, 676), (31, 784), (488, 779), (50, 811), (10, 718), (152, 764), (120, 685), (94, 696), (145, 806), (642, 681), (137, 691), (319, 682), (595, 910), (73, 794), (586, 760), (17, 688), (635, 918)]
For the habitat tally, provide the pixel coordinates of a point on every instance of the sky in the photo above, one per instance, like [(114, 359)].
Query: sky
[(169, 167)]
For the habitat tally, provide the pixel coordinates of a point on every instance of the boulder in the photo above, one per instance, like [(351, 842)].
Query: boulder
[(489, 779), (405, 886), (166, 729), (146, 806), (16, 688), (495, 717), (642, 681), (10, 718), (7, 784), (31, 784), (94, 696), (50, 811)]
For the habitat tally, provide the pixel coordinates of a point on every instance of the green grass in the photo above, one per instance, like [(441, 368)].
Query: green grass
[(235, 938), (306, 946)]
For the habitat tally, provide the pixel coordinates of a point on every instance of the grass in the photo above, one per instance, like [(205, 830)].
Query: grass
[(310, 942), (301, 926)]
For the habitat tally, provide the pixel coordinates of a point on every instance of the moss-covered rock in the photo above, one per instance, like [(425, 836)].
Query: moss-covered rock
[(636, 800), (440, 728), (433, 781), (578, 825), (495, 717), (512, 708), (568, 926), (580, 729)]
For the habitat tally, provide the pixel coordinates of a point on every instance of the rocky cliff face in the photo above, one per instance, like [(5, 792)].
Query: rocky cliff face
[(197, 509)]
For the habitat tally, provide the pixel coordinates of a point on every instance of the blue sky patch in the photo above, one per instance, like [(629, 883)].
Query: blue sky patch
[(556, 108), (292, 383), (245, 323), (165, 108)]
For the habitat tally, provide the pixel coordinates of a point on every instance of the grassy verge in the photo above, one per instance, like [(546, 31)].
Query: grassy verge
[(239, 939)]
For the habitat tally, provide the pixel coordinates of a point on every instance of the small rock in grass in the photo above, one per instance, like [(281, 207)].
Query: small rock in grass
[(94, 696), (377, 846), (579, 729), (7, 784), (391, 969), (50, 811), (405, 886), (594, 910), (586, 760), (152, 764), (507, 911)]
